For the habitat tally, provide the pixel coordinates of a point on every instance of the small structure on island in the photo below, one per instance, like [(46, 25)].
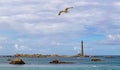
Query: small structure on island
[(58, 62), (17, 61)]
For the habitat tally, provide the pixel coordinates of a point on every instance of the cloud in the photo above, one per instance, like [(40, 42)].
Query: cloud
[(1, 48), (115, 18), (117, 3), (86, 3), (28, 18), (35, 23), (112, 39), (2, 38), (22, 48)]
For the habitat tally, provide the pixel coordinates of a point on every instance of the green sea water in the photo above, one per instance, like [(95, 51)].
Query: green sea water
[(78, 64), (62, 67)]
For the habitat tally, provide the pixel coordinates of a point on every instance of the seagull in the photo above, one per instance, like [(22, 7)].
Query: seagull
[(66, 10)]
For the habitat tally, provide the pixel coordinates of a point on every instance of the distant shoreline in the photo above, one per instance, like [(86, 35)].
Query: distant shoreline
[(55, 56)]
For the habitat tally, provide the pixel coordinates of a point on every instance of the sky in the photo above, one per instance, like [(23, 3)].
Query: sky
[(33, 26)]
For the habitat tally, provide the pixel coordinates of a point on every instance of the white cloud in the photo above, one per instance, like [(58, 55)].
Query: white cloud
[(116, 3), (56, 43), (112, 39), (86, 3), (32, 22), (115, 18), (1, 48), (22, 48), (40, 28), (2, 38), (76, 48), (31, 19)]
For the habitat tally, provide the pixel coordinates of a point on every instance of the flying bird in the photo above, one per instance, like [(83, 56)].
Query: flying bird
[(66, 10)]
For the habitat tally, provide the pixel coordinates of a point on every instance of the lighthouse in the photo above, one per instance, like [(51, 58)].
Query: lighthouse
[(82, 52)]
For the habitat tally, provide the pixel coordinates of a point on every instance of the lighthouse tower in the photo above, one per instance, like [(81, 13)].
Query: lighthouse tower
[(82, 52)]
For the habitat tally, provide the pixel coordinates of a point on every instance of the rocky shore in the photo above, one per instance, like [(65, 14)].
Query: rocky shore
[(58, 62), (95, 59), (17, 61)]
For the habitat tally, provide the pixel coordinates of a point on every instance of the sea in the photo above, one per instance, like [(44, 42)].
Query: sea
[(79, 63)]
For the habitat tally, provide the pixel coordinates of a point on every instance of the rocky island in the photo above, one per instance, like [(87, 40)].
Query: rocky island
[(58, 62), (17, 61)]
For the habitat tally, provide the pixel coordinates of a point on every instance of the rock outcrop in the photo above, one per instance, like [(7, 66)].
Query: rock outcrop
[(58, 62), (95, 59), (17, 61)]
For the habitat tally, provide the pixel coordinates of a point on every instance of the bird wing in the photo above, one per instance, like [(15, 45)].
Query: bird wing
[(60, 12), (66, 9)]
